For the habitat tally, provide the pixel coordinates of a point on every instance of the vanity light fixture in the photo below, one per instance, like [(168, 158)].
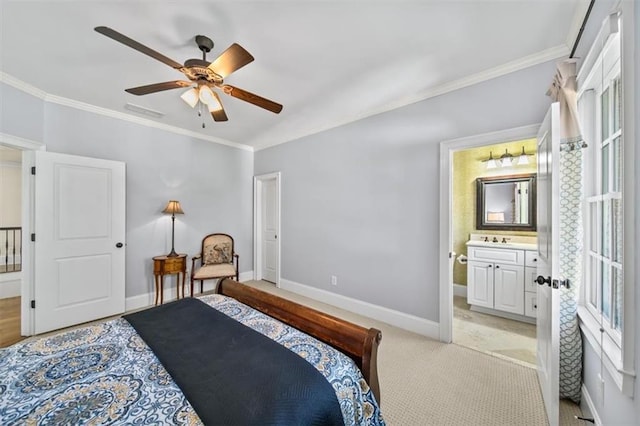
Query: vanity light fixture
[(523, 158), (491, 162), (506, 159)]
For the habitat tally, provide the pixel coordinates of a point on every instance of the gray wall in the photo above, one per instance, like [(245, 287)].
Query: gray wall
[(360, 201), (212, 182)]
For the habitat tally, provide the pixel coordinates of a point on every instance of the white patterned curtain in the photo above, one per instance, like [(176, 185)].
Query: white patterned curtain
[(563, 90)]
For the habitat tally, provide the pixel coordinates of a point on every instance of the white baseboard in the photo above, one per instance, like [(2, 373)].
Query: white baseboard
[(10, 285), (169, 294), (507, 315), (459, 290), (586, 398), (399, 319)]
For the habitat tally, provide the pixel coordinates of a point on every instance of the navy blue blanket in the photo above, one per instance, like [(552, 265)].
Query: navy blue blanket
[(232, 374)]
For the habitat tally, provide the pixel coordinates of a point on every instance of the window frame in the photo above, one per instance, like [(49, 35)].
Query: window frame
[(616, 349)]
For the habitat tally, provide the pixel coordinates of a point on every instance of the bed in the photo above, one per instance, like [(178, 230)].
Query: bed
[(205, 360)]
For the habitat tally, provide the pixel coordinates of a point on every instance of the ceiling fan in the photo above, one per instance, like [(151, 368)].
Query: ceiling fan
[(203, 75)]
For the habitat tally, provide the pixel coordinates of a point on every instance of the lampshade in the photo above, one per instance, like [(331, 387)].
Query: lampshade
[(506, 159), (190, 97), (495, 217), (491, 162), (523, 158), (206, 95), (215, 105), (173, 207)]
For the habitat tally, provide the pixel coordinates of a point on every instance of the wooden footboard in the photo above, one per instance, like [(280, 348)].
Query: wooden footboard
[(359, 343)]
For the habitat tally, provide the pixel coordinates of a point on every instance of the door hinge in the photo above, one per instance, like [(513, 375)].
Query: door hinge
[(33, 237), (33, 170), (33, 304)]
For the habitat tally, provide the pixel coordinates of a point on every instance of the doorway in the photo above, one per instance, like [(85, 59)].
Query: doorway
[(448, 257), (493, 283), (267, 238), (15, 308)]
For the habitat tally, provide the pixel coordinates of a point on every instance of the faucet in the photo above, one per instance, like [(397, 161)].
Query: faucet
[(495, 239)]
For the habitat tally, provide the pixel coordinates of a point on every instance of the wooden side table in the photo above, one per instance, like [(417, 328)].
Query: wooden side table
[(165, 265)]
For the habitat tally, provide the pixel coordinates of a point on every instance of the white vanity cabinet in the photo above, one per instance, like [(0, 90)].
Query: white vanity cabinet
[(530, 274), (496, 278)]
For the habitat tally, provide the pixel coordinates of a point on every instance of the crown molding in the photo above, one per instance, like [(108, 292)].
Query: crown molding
[(59, 100), (22, 86), (543, 56)]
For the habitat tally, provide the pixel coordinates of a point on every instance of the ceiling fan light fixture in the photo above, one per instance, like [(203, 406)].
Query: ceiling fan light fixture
[(206, 95), (215, 106), (190, 97)]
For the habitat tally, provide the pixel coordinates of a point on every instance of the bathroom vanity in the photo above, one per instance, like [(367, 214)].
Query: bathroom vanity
[(500, 276)]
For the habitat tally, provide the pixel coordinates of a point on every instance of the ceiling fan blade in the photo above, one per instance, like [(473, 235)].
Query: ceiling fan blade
[(232, 59), (137, 46), (158, 87), (218, 114), (251, 98)]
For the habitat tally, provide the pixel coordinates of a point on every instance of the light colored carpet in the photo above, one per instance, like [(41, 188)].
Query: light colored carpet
[(425, 382)]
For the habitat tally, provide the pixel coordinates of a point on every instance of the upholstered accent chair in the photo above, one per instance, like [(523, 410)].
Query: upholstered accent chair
[(217, 259)]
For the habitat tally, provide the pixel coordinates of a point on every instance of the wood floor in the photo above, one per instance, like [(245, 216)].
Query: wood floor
[(9, 321)]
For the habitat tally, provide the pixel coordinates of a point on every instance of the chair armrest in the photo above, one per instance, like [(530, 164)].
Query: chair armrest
[(193, 261)]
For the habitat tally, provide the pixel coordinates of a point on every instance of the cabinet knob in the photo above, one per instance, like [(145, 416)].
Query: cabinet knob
[(119, 245), (497, 266)]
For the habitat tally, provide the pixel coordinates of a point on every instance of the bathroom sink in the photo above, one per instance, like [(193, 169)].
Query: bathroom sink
[(508, 244)]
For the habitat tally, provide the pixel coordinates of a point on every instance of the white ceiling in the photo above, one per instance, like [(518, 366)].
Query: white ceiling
[(327, 62)]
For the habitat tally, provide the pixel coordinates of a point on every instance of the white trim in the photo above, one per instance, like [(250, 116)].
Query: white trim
[(550, 54), (586, 397), (447, 148), (459, 290), (380, 313), (611, 355), (20, 85), (10, 285), (20, 143), (257, 225), (503, 314)]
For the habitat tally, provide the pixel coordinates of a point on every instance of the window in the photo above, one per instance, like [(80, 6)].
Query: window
[(607, 294)]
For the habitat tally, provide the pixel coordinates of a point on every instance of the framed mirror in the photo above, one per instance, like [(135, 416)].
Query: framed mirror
[(506, 203)]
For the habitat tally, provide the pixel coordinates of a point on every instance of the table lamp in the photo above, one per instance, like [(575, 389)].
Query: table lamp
[(173, 208)]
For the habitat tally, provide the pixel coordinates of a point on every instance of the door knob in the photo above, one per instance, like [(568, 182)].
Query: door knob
[(119, 245), (542, 280)]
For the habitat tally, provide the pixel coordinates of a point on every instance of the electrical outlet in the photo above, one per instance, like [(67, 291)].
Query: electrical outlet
[(334, 280)]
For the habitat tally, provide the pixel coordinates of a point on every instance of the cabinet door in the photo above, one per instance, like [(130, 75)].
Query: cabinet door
[(530, 275), (480, 284), (509, 288)]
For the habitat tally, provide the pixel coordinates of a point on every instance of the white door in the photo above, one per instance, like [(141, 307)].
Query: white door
[(480, 284), (266, 237), (79, 265), (548, 298), (508, 288), (269, 230)]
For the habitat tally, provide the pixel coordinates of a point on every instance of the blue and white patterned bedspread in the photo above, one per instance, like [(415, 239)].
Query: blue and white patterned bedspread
[(106, 374)]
